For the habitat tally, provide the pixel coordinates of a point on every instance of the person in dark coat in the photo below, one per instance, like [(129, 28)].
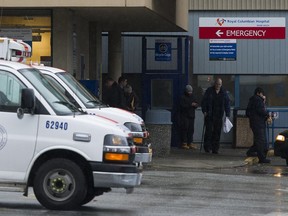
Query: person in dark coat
[(258, 115), (214, 103), (132, 100), (122, 82), (113, 93), (188, 105), (107, 90)]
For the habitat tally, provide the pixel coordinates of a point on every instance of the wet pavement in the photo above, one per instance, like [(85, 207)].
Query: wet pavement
[(187, 182), (227, 157)]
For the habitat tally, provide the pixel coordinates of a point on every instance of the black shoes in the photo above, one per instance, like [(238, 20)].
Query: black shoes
[(207, 150), (265, 160), (254, 154)]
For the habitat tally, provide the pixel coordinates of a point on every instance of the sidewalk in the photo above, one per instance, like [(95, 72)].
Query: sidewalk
[(227, 158)]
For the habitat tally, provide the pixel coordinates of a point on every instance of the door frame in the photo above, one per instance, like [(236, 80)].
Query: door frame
[(178, 75)]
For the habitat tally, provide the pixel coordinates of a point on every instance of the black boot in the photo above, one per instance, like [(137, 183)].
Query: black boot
[(264, 160), (251, 154)]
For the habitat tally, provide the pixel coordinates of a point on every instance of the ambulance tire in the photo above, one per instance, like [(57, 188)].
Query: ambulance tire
[(89, 197), (60, 184), (93, 192)]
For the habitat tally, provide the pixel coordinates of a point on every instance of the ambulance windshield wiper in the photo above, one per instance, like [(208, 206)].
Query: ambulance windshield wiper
[(69, 105), (96, 102)]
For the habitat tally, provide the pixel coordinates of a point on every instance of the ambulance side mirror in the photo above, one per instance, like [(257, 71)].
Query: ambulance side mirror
[(27, 102)]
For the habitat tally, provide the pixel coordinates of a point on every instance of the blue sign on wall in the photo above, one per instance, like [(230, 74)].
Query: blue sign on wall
[(163, 51), (222, 50)]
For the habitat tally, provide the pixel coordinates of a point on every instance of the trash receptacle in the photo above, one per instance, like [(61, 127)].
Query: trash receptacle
[(243, 136), (159, 125)]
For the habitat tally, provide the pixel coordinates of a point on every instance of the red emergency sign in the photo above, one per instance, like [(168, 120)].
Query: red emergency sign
[(242, 33)]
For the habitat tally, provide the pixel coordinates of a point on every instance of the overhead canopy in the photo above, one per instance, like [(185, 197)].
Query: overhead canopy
[(129, 19), (125, 15)]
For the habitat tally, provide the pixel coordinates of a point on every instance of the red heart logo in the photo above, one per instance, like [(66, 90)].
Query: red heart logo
[(220, 21)]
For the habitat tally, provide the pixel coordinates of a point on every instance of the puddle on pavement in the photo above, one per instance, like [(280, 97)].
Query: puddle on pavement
[(271, 171)]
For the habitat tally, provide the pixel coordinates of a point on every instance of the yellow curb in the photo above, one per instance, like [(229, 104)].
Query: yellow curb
[(251, 160), (270, 153), (193, 146)]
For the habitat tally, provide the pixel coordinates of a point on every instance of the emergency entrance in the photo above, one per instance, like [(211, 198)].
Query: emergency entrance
[(165, 71), (156, 66)]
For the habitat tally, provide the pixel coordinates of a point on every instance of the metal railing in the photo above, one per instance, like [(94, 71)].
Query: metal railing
[(279, 123)]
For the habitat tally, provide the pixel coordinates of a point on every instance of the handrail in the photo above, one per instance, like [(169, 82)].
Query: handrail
[(277, 123)]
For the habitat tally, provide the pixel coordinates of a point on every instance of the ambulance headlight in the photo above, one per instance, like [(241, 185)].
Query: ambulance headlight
[(116, 149), (115, 140), (134, 127), (125, 129), (280, 138)]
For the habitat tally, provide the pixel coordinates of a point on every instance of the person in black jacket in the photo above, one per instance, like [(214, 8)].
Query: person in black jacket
[(113, 92), (215, 102), (258, 115), (188, 105), (107, 90)]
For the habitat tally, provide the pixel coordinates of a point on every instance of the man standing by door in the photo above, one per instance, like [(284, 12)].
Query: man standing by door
[(215, 102)]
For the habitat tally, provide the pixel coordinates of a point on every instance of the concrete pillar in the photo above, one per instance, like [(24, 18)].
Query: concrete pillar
[(95, 54), (114, 54), (62, 39)]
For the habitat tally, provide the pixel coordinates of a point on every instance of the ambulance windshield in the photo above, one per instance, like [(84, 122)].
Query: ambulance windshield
[(89, 100), (59, 103)]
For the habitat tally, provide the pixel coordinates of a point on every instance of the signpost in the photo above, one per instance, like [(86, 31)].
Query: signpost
[(242, 28), (222, 50), (162, 50)]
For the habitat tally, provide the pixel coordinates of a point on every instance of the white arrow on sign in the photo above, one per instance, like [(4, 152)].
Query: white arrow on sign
[(219, 33)]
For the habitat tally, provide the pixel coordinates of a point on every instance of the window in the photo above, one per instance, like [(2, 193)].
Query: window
[(31, 26), (58, 102), (62, 89), (10, 92), (275, 89), (161, 92), (201, 82)]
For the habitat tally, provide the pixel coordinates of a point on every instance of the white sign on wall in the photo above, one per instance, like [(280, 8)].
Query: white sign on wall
[(24, 34), (242, 28)]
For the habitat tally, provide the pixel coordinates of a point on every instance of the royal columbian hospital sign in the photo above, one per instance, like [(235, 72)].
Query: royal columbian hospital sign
[(242, 28)]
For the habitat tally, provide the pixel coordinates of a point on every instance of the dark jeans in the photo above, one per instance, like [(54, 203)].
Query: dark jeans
[(187, 130), (212, 134), (259, 142)]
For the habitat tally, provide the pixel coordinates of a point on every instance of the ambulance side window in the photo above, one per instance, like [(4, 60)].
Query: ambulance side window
[(10, 89)]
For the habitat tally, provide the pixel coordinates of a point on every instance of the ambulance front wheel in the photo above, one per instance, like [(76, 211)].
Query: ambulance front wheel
[(60, 184)]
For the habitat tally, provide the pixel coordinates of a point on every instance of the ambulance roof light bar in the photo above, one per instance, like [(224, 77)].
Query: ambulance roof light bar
[(14, 50)]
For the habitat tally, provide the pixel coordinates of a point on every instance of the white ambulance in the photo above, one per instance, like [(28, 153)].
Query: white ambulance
[(66, 155), (81, 98)]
